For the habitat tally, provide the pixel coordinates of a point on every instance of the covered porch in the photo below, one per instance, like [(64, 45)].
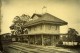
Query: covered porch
[(42, 39)]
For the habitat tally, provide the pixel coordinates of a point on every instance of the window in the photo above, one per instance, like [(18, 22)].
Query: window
[(49, 27), (29, 29), (40, 26), (56, 28), (34, 28)]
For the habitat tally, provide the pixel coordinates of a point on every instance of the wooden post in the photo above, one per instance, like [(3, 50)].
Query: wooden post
[(42, 40), (28, 39), (51, 40), (35, 40)]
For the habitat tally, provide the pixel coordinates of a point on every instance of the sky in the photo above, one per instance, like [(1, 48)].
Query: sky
[(67, 10)]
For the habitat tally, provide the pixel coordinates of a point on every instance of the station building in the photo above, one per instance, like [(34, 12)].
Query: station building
[(44, 29)]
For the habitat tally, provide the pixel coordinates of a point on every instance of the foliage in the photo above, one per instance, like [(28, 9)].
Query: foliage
[(19, 22), (72, 31), (72, 34)]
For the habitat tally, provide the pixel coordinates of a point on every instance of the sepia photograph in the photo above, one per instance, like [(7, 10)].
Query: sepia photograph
[(39, 26)]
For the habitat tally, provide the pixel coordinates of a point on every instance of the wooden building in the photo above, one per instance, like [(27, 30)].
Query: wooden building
[(44, 29)]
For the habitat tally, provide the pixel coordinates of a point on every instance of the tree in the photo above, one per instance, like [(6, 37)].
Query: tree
[(72, 34), (19, 22), (25, 18)]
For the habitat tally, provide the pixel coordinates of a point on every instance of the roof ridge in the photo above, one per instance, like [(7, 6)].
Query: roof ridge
[(48, 18), (53, 17)]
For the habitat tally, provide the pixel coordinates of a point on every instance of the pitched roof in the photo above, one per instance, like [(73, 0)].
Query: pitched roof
[(46, 18), (39, 15)]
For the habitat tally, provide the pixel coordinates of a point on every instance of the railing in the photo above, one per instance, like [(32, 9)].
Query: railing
[(70, 43)]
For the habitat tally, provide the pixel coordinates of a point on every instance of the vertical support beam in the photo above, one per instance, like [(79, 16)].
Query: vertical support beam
[(35, 40), (42, 40), (51, 40), (28, 40)]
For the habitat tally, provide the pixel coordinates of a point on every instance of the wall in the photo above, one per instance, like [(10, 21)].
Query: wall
[(44, 28), (52, 29), (36, 29)]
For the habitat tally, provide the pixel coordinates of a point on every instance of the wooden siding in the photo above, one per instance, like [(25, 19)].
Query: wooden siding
[(44, 28)]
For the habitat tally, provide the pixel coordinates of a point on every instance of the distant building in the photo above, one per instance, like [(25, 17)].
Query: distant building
[(44, 29)]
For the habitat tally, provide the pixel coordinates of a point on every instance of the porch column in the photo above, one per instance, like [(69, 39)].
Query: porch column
[(42, 40), (35, 40), (28, 39)]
